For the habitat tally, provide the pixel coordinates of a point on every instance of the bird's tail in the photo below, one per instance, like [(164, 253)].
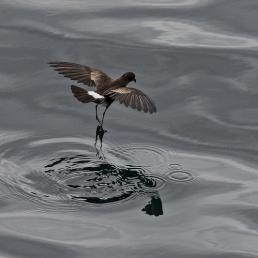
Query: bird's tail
[(82, 95)]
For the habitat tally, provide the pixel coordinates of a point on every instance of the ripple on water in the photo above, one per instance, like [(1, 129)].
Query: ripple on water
[(56, 228), (63, 173), (178, 174)]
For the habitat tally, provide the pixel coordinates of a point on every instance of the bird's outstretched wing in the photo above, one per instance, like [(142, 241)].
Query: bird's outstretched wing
[(132, 97), (82, 74)]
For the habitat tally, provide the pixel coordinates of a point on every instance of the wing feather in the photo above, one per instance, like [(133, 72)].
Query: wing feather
[(82, 74), (133, 105), (132, 97), (144, 104)]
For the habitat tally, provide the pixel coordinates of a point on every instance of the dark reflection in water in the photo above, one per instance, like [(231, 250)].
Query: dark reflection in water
[(105, 183)]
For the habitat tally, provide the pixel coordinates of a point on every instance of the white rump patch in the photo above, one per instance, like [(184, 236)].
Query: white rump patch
[(95, 95)]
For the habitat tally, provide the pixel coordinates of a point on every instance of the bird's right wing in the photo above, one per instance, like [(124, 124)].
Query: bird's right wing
[(132, 97), (82, 74)]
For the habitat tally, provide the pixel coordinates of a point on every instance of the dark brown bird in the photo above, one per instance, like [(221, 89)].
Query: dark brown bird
[(107, 89)]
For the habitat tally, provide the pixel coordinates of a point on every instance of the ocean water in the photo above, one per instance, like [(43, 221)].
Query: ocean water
[(182, 182)]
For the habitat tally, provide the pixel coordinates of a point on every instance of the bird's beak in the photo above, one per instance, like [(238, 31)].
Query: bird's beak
[(134, 80)]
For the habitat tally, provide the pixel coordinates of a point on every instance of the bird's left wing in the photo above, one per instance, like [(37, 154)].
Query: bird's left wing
[(81, 73), (132, 97)]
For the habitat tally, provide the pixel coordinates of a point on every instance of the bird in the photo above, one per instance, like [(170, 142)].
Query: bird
[(107, 90)]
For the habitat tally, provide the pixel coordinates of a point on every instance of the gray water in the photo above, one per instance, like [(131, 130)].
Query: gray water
[(179, 183)]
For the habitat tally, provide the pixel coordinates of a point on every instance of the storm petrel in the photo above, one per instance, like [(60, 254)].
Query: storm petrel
[(107, 89)]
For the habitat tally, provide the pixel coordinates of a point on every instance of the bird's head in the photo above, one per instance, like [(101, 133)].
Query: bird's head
[(129, 76)]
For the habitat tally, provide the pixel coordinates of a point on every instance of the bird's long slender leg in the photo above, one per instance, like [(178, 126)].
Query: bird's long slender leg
[(99, 135), (102, 120), (97, 118)]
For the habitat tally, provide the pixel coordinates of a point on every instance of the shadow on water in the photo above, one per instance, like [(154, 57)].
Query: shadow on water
[(102, 182)]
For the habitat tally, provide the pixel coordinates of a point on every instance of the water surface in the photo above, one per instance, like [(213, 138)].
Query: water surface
[(179, 183)]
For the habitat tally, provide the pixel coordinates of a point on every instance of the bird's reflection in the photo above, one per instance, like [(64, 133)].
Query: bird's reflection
[(104, 183)]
